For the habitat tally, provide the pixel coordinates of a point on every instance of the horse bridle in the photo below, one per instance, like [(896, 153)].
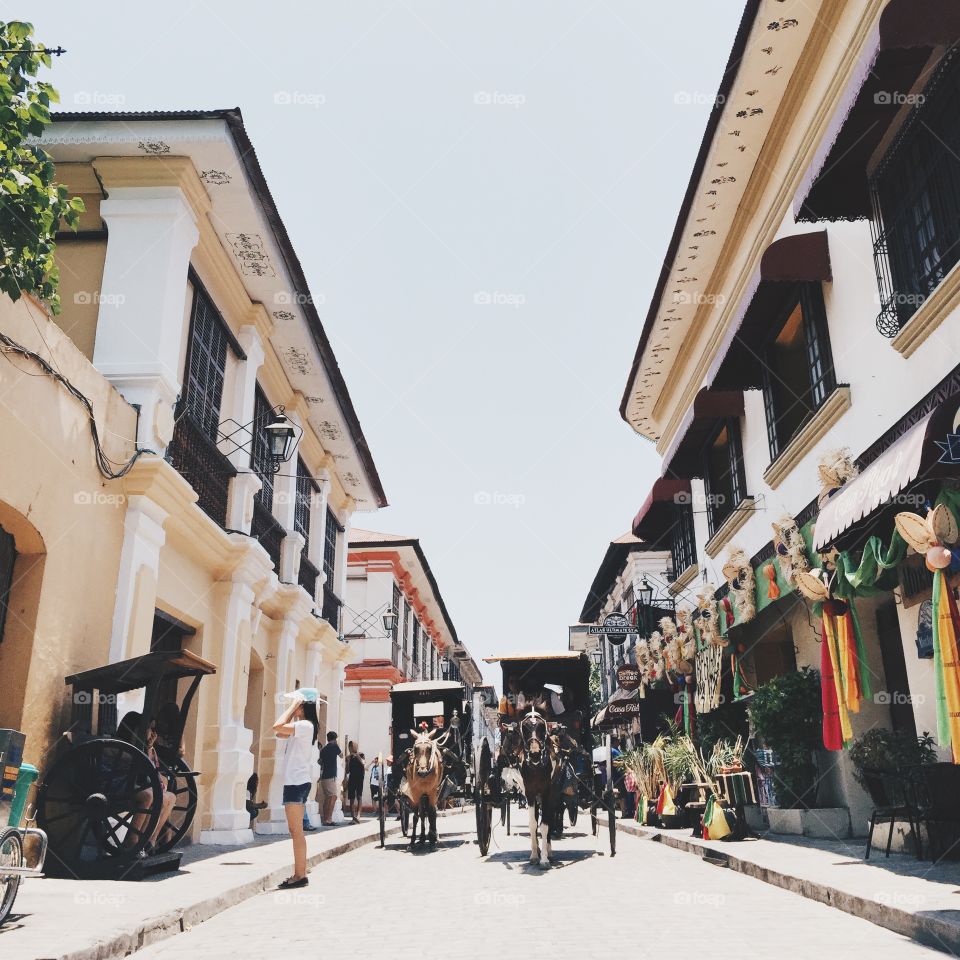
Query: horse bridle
[(526, 742)]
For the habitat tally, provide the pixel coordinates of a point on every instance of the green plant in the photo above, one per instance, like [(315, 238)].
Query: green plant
[(596, 690), (888, 751), (787, 716), (32, 203)]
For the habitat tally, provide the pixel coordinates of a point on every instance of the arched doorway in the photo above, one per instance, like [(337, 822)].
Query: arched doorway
[(22, 557), (253, 710)]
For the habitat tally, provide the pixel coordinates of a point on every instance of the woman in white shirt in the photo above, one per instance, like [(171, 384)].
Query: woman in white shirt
[(298, 725)]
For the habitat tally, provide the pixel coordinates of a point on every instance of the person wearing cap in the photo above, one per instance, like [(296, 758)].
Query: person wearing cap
[(299, 726)]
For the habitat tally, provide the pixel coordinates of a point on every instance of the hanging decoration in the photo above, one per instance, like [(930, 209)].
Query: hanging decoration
[(739, 575), (773, 591), (685, 629), (657, 665), (836, 468), (935, 537), (709, 671), (706, 616), (790, 551)]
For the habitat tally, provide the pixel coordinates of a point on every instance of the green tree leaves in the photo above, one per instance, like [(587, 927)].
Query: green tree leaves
[(32, 203)]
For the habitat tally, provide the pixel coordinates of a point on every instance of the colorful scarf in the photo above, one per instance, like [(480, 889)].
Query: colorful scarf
[(946, 626)]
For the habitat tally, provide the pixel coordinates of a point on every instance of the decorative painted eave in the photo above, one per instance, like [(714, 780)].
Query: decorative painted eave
[(765, 54), (248, 226)]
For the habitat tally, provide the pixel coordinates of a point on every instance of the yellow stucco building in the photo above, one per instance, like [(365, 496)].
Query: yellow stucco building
[(186, 323)]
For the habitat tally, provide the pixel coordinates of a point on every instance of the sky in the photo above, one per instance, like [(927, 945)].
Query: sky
[(481, 195)]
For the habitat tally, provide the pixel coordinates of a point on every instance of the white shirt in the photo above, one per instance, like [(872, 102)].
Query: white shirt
[(375, 774), (296, 758)]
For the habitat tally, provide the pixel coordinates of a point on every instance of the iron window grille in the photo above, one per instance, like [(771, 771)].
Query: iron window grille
[(406, 629), (192, 450), (415, 650), (260, 460), (915, 195), (395, 630), (796, 379), (305, 488), (723, 474), (331, 538), (682, 549)]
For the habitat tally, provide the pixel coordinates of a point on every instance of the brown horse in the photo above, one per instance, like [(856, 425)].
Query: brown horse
[(533, 747), (424, 779)]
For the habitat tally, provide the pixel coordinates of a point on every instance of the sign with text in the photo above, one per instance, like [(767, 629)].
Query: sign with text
[(616, 627), (623, 709), (628, 676)]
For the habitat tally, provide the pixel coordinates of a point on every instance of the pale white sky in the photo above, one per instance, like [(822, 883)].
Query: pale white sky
[(482, 194)]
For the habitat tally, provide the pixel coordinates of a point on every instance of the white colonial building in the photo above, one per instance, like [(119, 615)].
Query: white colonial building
[(809, 302), (389, 574)]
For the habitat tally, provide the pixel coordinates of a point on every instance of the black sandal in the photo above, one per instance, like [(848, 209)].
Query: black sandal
[(291, 884)]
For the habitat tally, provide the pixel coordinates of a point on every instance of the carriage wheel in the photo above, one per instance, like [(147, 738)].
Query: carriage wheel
[(182, 782), (11, 855), (90, 800), (593, 819), (484, 813), (611, 806)]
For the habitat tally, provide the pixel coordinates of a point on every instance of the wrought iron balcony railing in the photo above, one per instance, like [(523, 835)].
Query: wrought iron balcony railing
[(332, 606), (196, 458), (268, 530), (308, 576)]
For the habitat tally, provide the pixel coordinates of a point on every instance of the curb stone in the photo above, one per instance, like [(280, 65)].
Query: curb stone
[(932, 932)]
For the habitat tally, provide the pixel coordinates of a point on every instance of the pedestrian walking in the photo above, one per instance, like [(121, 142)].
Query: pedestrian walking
[(299, 726), (329, 755), (355, 774)]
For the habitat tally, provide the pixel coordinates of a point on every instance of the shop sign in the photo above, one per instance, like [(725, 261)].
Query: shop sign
[(628, 676), (616, 627)]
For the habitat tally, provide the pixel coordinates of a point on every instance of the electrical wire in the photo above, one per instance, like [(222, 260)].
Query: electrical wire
[(104, 463)]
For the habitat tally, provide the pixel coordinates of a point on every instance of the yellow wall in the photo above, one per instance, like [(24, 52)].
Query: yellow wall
[(66, 519)]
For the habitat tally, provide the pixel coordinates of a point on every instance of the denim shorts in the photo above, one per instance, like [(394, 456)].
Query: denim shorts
[(297, 793)]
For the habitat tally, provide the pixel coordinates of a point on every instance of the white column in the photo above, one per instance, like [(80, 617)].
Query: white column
[(284, 509), (152, 231), (340, 587), (227, 760), (245, 484), (273, 819), (143, 538), (318, 522)]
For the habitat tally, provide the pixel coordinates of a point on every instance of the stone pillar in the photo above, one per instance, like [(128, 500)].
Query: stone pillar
[(318, 524), (284, 649), (143, 537), (245, 485), (140, 326), (226, 758), (284, 509)]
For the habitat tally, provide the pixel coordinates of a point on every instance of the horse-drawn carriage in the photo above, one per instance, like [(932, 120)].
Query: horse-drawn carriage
[(432, 753), (545, 742), (103, 797)]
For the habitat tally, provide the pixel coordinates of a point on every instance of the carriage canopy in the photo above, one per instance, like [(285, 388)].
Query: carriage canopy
[(424, 700)]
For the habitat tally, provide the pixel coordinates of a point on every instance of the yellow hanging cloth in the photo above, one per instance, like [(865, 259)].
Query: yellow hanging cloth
[(947, 642), (847, 645), (829, 627)]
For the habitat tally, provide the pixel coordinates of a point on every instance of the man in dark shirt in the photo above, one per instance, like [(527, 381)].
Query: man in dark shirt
[(328, 777)]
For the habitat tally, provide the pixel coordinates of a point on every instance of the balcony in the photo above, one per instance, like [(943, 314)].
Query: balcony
[(396, 657), (332, 605), (268, 531), (307, 577), (196, 458)]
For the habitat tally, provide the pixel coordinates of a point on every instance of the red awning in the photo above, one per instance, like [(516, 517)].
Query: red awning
[(655, 517), (798, 258), (909, 460), (909, 30), (683, 457)]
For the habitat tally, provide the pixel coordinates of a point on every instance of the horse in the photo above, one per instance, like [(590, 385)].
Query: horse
[(423, 782), (535, 751)]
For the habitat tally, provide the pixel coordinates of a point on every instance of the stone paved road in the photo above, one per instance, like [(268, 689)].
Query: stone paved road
[(451, 903)]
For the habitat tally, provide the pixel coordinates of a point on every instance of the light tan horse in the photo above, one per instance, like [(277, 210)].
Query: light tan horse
[(424, 779)]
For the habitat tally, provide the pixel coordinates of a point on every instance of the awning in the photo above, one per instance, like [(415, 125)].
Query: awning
[(835, 187), (682, 458), (620, 709), (656, 516), (798, 258), (911, 459)]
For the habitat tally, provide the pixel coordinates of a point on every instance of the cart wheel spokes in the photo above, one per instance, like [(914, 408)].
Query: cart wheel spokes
[(182, 783), (100, 801), (611, 806), (11, 855)]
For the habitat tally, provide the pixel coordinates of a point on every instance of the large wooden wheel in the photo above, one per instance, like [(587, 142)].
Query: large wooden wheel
[(11, 855), (611, 804), (481, 799), (182, 782), (99, 804)]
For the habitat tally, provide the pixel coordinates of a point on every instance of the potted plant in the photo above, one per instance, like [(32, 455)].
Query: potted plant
[(888, 751), (787, 717)]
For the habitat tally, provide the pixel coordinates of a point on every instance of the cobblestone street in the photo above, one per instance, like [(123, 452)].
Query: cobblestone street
[(391, 903)]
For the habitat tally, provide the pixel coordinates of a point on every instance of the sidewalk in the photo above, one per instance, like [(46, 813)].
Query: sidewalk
[(97, 920), (912, 897)]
